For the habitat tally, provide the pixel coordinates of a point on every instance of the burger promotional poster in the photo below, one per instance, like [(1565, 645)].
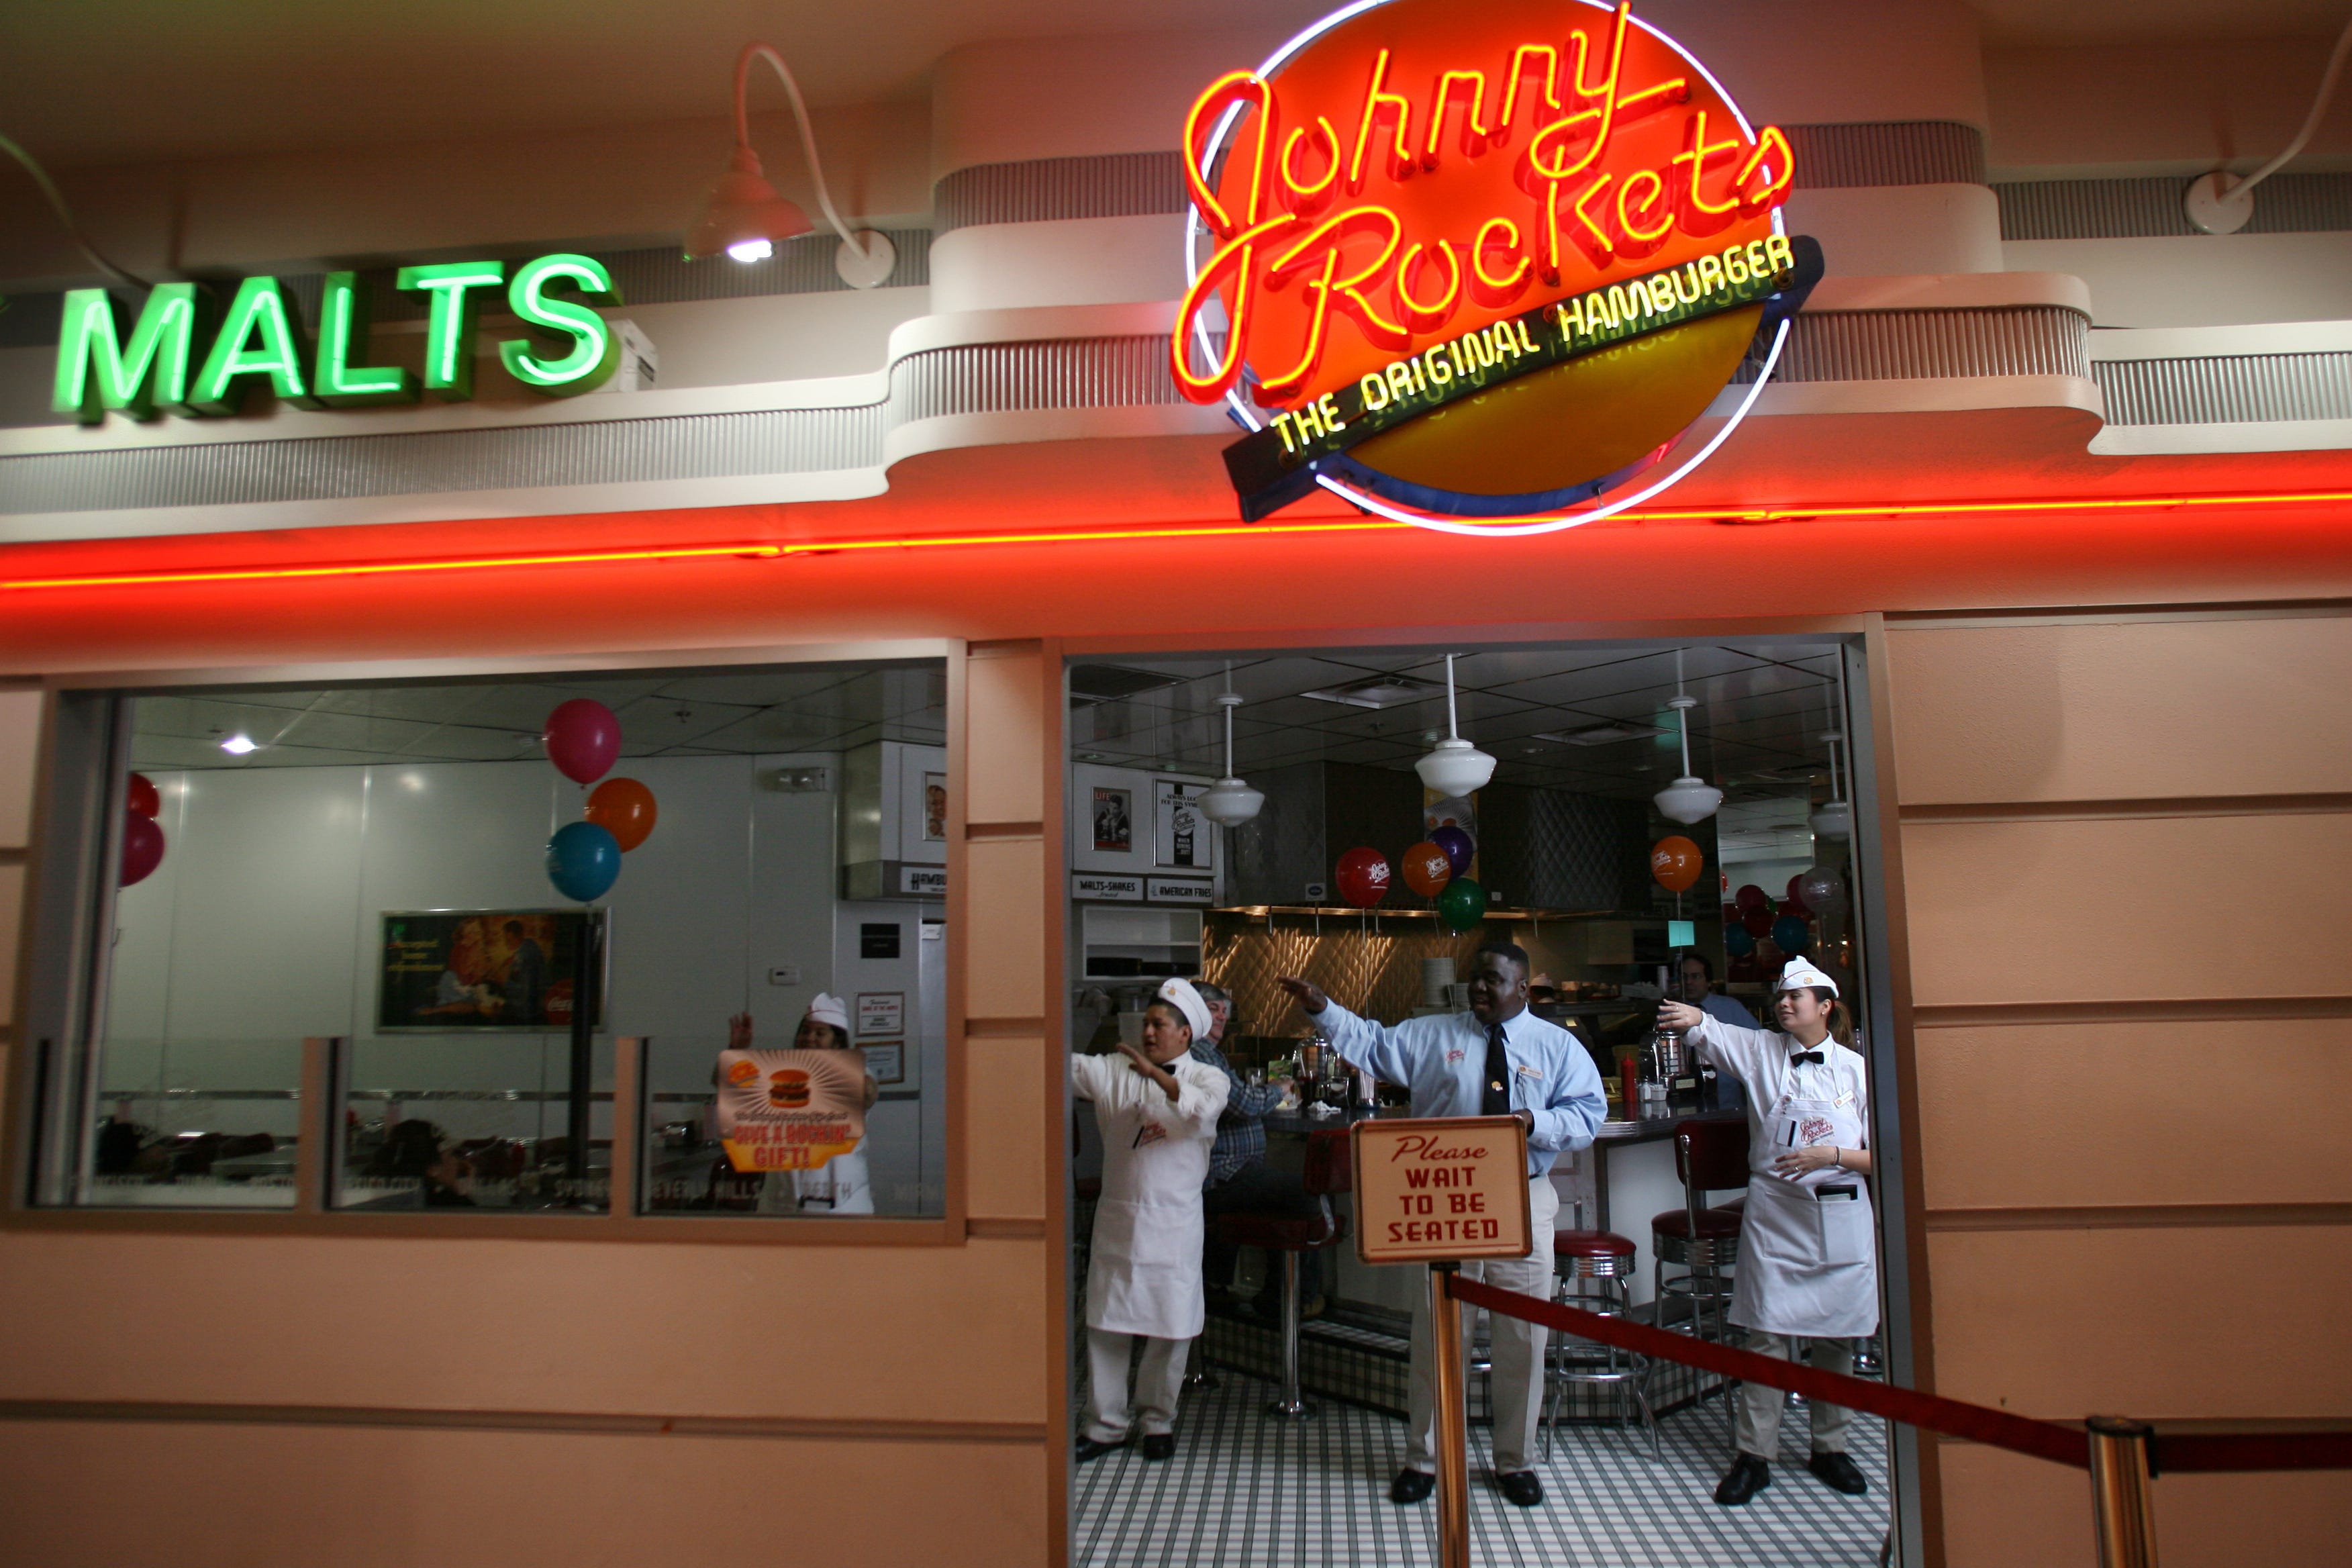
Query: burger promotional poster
[(789, 1110), (1495, 269)]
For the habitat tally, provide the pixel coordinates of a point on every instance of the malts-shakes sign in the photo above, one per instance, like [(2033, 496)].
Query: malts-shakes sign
[(1482, 269), (1441, 1190)]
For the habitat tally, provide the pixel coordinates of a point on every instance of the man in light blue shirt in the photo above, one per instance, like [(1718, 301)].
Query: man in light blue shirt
[(1496, 1059)]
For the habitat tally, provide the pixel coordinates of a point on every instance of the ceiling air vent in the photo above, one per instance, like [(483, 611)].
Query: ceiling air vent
[(1380, 692), (1601, 734), (1109, 682)]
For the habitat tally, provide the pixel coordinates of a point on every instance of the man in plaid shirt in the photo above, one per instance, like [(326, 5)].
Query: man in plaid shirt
[(1239, 1177)]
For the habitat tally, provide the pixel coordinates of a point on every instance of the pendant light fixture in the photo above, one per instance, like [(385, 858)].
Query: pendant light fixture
[(1456, 768), (745, 217), (1229, 802), (1689, 798), (1835, 818)]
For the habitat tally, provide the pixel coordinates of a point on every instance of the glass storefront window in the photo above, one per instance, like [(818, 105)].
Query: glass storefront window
[(382, 871)]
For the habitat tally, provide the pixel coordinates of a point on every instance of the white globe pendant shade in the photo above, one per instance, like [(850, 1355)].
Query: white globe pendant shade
[(1834, 820), (1455, 768), (1688, 800), (1229, 802)]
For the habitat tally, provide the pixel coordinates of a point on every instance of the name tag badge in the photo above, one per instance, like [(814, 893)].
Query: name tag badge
[(1842, 1100), (1788, 1138), (1530, 1072)]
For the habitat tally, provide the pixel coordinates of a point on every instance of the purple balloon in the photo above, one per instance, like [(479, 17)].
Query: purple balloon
[(1457, 845), (143, 850), (583, 739)]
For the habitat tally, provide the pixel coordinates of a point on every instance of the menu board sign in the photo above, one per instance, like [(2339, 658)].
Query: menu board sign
[(1442, 1189), (789, 1110)]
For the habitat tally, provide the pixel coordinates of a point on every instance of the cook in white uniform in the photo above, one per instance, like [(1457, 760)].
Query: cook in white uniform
[(1807, 1268), (1156, 1110), (842, 1185), (1496, 1059)]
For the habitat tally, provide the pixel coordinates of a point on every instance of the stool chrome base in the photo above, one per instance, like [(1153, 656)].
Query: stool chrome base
[(1292, 1409)]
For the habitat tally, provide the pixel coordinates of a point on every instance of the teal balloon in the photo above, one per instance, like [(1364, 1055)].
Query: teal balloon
[(1737, 942), (1792, 935), (582, 861), (1461, 904)]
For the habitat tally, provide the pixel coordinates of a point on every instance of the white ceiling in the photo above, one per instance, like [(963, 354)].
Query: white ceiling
[(137, 80)]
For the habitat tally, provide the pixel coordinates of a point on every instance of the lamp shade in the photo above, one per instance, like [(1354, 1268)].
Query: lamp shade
[(1834, 820), (742, 213), (1229, 802), (1455, 767), (1688, 800)]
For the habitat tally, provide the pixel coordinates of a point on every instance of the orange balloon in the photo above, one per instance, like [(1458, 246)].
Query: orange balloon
[(1676, 862), (623, 808), (1425, 869)]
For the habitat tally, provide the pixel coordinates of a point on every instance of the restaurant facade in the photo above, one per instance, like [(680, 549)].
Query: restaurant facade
[(2049, 486)]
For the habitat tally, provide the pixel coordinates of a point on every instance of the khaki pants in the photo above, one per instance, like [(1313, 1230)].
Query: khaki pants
[(1518, 1344), (1760, 1408), (1157, 1383)]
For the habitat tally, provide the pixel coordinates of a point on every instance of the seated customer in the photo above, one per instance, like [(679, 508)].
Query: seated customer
[(1240, 1180), (1157, 1111), (1697, 973)]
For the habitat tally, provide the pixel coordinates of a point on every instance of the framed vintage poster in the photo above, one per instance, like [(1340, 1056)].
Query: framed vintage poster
[(462, 972), (1114, 818), (935, 808), (1182, 837)]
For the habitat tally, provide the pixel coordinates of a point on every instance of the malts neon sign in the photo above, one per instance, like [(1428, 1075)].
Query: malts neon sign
[(260, 341), (1478, 264)]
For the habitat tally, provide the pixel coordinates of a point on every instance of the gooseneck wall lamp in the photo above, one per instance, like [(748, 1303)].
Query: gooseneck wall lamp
[(745, 218)]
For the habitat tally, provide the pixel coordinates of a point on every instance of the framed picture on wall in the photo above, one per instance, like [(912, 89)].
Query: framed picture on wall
[(462, 972), (935, 808), (1114, 811), (1182, 837)]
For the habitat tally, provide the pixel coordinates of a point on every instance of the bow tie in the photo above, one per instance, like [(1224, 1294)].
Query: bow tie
[(1812, 1056)]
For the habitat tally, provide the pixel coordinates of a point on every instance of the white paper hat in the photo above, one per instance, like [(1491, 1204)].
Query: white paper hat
[(1180, 995), (1800, 976), (831, 1010)]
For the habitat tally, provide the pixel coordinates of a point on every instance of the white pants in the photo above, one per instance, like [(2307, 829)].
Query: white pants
[(1760, 1408), (1108, 1420), (1518, 1382)]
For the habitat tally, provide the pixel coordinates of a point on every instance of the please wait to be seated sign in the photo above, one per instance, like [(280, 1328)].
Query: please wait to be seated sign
[(1441, 1190)]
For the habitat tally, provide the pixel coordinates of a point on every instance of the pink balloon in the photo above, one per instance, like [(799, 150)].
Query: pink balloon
[(583, 739), (143, 850)]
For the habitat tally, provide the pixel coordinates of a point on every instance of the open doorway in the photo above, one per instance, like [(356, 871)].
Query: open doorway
[(1291, 1426)]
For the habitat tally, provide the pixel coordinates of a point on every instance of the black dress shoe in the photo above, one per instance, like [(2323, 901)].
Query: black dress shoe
[(1521, 1487), (1090, 1449), (1747, 1476), (1838, 1473), (1411, 1486), (1160, 1445)]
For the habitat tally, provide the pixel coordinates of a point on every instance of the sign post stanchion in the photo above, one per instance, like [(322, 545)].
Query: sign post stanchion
[(1453, 1419), (2123, 1508)]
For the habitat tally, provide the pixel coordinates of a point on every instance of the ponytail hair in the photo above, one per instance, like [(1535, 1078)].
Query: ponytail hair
[(1841, 1021)]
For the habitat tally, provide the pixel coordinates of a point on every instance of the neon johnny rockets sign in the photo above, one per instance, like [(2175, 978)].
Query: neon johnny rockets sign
[(1481, 270), (173, 359)]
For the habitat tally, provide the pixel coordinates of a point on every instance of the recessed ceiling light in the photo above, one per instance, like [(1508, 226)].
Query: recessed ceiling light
[(237, 745), (1599, 734), (1381, 691)]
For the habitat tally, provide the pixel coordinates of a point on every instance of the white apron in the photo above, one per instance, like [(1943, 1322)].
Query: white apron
[(840, 1185), (1807, 1265), (1143, 1272)]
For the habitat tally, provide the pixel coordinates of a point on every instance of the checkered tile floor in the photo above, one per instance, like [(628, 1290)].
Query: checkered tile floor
[(1247, 1492)]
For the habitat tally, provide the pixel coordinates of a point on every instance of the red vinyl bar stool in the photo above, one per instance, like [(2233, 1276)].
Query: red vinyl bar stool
[(1327, 1172), (1595, 1270), (1710, 1156)]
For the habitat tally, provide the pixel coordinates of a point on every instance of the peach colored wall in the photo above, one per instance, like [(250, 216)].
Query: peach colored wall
[(2120, 841), (919, 1386)]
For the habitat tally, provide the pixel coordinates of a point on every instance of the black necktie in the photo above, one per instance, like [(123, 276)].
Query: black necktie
[(1812, 1056), (1496, 1099)]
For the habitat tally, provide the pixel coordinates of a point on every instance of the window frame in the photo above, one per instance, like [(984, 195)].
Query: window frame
[(79, 798)]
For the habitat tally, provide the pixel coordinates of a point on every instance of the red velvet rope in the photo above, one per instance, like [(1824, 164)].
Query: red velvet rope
[(2048, 1440)]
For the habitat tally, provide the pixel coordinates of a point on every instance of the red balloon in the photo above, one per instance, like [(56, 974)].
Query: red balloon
[(1752, 896), (1363, 878), (1676, 862), (143, 850), (145, 801), (1757, 921), (1427, 868), (1794, 904), (583, 739), (625, 809)]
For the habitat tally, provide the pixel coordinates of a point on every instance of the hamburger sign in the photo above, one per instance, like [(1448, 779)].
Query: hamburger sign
[(1482, 269)]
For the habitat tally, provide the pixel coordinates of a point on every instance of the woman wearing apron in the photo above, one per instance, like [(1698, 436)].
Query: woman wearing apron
[(1807, 1268), (1156, 1110)]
